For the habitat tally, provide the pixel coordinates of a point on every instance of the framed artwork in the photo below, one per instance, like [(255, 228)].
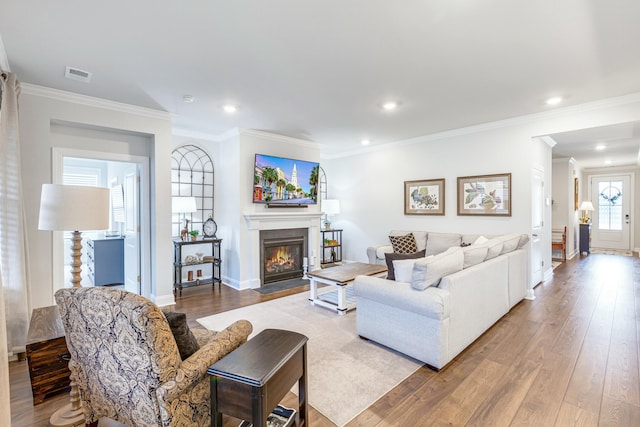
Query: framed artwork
[(575, 194), (424, 197), (485, 195)]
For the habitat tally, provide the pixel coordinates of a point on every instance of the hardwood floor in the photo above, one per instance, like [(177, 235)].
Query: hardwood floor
[(568, 358)]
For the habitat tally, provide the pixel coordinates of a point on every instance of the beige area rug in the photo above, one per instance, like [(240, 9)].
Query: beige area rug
[(346, 374), (611, 252)]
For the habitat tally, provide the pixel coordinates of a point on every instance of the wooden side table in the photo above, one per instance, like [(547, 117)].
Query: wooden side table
[(47, 354), (251, 380)]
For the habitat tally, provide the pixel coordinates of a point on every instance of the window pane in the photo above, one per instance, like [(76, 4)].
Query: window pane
[(610, 205)]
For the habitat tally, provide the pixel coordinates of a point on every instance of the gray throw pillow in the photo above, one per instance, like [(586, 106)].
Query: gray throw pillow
[(389, 258), (185, 340)]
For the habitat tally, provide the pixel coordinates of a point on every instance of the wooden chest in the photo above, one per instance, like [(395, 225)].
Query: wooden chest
[(47, 354)]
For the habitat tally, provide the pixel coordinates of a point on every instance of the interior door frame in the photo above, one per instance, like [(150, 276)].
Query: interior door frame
[(57, 155), (632, 200)]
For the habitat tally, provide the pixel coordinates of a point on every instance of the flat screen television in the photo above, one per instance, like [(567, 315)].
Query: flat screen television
[(278, 180)]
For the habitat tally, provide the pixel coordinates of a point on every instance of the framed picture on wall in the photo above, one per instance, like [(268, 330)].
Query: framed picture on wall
[(576, 191), (424, 197), (485, 195)]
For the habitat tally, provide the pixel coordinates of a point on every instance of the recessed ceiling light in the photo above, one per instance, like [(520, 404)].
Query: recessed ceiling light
[(607, 162), (554, 101), (188, 99), (365, 142), (600, 147), (230, 108), (390, 105)]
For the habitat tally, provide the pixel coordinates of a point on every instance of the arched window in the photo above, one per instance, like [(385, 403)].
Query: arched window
[(192, 175)]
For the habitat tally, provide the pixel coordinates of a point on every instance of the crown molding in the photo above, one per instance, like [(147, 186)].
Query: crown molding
[(515, 121), (90, 101), (278, 138)]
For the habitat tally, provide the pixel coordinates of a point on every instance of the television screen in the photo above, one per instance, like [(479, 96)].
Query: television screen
[(278, 180)]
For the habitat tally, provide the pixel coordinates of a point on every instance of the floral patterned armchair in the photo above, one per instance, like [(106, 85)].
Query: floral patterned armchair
[(126, 363)]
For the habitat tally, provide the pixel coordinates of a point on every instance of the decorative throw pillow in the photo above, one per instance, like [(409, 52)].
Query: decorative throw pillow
[(509, 242), (429, 271), (474, 254), (390, 257), (186, 341), (494, 248), (404, 269), (404, 244), (480, 240)]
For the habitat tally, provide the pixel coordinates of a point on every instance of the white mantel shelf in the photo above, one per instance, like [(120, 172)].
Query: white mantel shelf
[(267, 220)]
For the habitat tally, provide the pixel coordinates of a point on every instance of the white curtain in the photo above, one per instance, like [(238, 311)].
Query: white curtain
[(13, 238)]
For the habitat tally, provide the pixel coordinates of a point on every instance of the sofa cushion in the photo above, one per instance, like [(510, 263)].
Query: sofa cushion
[(440, 242), (524, 238), (185, 340), (389, 258), (403, 270), (509, 242), (474, 254), (494, 247), (404, 244), (428, 272), (480, 240)]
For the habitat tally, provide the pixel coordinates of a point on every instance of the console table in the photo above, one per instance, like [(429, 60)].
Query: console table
[(251, 380), (585, 238)]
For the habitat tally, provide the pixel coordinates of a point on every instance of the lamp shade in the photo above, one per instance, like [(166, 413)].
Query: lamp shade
[(73, 208), (183, 204), (587, 206), (331, 206)]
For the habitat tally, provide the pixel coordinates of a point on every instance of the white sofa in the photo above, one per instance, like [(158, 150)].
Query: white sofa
[(435, 324)]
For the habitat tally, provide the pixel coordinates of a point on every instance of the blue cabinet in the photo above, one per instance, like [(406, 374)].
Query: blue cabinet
[(105, 261)]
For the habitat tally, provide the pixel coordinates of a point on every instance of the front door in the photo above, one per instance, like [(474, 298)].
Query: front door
[(611, 220)]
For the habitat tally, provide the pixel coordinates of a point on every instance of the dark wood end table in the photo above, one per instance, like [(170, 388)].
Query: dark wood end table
[(249, 382)]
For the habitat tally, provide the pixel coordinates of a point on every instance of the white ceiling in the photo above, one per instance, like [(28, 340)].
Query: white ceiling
[(319, 70)]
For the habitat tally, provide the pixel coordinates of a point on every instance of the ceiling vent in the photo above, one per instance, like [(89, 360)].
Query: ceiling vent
[(77, 74)]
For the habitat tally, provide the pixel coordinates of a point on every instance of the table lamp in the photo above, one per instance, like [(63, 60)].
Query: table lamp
[(184, 205), (74, 208), (330, 207), (586, 207)]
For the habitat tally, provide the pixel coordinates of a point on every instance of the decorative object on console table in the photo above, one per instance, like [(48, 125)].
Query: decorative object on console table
[(331, 247), (209, 228), (330, 207), (484, 195), (184, 205), (424, 197), (74, 208), (196, 263), (585, 238), (586, 207)]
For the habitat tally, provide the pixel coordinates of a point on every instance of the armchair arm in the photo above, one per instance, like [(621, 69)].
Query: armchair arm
[(195, 367)]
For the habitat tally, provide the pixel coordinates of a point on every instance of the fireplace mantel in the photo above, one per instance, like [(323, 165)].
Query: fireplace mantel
[(275, 220), (281, 220)]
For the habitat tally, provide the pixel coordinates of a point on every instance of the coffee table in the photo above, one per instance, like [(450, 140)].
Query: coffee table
[(339, 295)]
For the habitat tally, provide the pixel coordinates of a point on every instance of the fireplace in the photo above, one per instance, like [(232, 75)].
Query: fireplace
[(282, 253)]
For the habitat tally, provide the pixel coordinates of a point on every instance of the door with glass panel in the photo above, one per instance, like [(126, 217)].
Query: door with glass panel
[(612, 199)]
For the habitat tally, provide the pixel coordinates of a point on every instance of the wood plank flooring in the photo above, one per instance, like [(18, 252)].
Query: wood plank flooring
[(568, 358)]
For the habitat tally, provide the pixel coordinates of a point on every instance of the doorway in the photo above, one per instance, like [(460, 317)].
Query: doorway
[(127, 178), (612, 197)]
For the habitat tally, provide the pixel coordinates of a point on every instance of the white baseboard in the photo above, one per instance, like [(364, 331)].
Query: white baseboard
[(548, 274), (165, 300)]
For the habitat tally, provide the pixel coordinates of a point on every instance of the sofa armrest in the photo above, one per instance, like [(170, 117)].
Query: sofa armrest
[(194, 368), (372, 253), (431, 302)]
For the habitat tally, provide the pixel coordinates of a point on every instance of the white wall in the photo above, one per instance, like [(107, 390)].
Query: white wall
[(369, 183), (40, 110)]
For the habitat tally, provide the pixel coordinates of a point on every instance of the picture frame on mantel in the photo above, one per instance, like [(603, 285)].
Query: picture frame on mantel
[(424, 197), (484, 195)]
